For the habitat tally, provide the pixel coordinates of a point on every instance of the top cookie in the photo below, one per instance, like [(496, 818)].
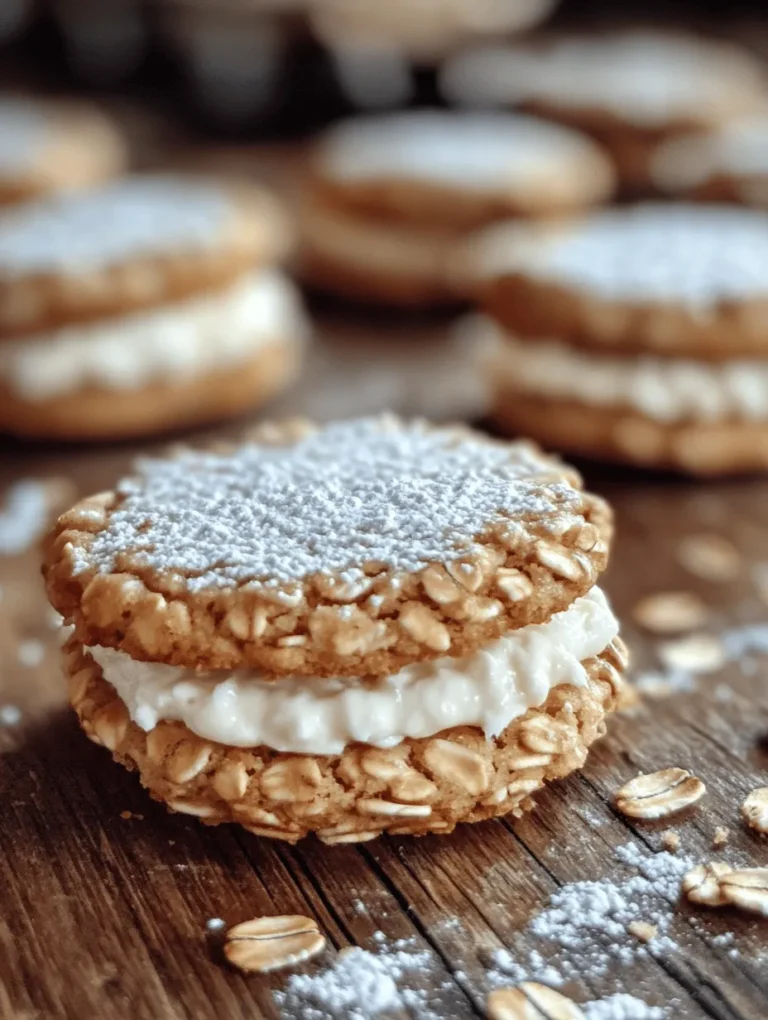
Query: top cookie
[(672, 278), (48, 145), (728, 164), (459, 169), (650, 80), (137, 242), (351, 549)]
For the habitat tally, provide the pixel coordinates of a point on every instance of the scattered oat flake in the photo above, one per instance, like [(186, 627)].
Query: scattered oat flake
[(702, 884), (671, 612), (659, 794), (721, 836), (747, 888), (697, 653), (265, 944), (10, 715), (754, 810), (710, 557), (531, 999), (642, 930)]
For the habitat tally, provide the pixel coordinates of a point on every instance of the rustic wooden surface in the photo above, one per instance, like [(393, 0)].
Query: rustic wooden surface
[(104, 916)]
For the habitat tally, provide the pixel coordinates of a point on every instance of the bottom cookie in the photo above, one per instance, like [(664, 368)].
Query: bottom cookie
[(607, 433), (417, 787), (110, 414)]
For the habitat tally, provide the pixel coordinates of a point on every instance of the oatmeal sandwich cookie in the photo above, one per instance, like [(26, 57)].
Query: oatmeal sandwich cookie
[(637, 334), (149, 304), (389, 198), (344, 630), (54, 145), (629, 90)]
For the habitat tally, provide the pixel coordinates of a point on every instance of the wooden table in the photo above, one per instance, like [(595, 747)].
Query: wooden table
[(104, 896)]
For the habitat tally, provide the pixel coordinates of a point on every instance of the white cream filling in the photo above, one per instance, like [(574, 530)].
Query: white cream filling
[(664, 389), (488, 689), (179, 341)]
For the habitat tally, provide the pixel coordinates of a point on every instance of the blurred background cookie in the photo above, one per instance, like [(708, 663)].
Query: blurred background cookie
[(53, 145), (390, 198), (636, 335), (149, 304), (630, 90)]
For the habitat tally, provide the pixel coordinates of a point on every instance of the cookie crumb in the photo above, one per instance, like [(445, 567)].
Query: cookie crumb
[(720, 837), (642, 930), (754, 810), (670, 840)]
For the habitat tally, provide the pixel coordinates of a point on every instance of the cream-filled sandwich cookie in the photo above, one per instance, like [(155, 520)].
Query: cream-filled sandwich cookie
[(630, 90), (138, 242), (373, 626), (728, 165), (389, 197), (635, 334), (54, 145), (195, 360)]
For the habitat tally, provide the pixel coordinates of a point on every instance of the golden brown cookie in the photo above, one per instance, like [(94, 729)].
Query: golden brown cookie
[(704, 449), (190, 362), (629, 90), (52, 145), (390, 198), (729, 164), (415, 787), (137, 243), (352, 549), (675, 280)]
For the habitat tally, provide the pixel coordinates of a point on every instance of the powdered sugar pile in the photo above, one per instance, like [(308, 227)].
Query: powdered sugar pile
[(359, 985), (351, 493), (622, 1007), (693, 255), (135, 216), (23, 517), (585, 923)]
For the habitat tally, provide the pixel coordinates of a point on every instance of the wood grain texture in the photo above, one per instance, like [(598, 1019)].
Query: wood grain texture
[(105, 916)]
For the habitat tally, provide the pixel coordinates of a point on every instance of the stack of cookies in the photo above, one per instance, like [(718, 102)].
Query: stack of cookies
[(48, 146), (373, 626), (727, 165), (630, 90), (637, 334), (146, 305), (389, 199)]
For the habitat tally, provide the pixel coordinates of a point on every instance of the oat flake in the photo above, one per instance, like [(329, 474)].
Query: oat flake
[(351, 493)]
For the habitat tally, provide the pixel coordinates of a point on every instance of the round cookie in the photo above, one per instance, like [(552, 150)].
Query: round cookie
[(137, 243), (676, 280), (390, 197), (371, 626), (187, 363), (414, 788), (54, 145), (726, 165), (354, 549), (629, 90)]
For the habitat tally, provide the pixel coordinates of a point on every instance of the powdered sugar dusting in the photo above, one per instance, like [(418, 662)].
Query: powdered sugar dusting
[(346, 495), (696, 256), (583, 931), (23, 516), (135, 216), (622, 1007), (359, 985)]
